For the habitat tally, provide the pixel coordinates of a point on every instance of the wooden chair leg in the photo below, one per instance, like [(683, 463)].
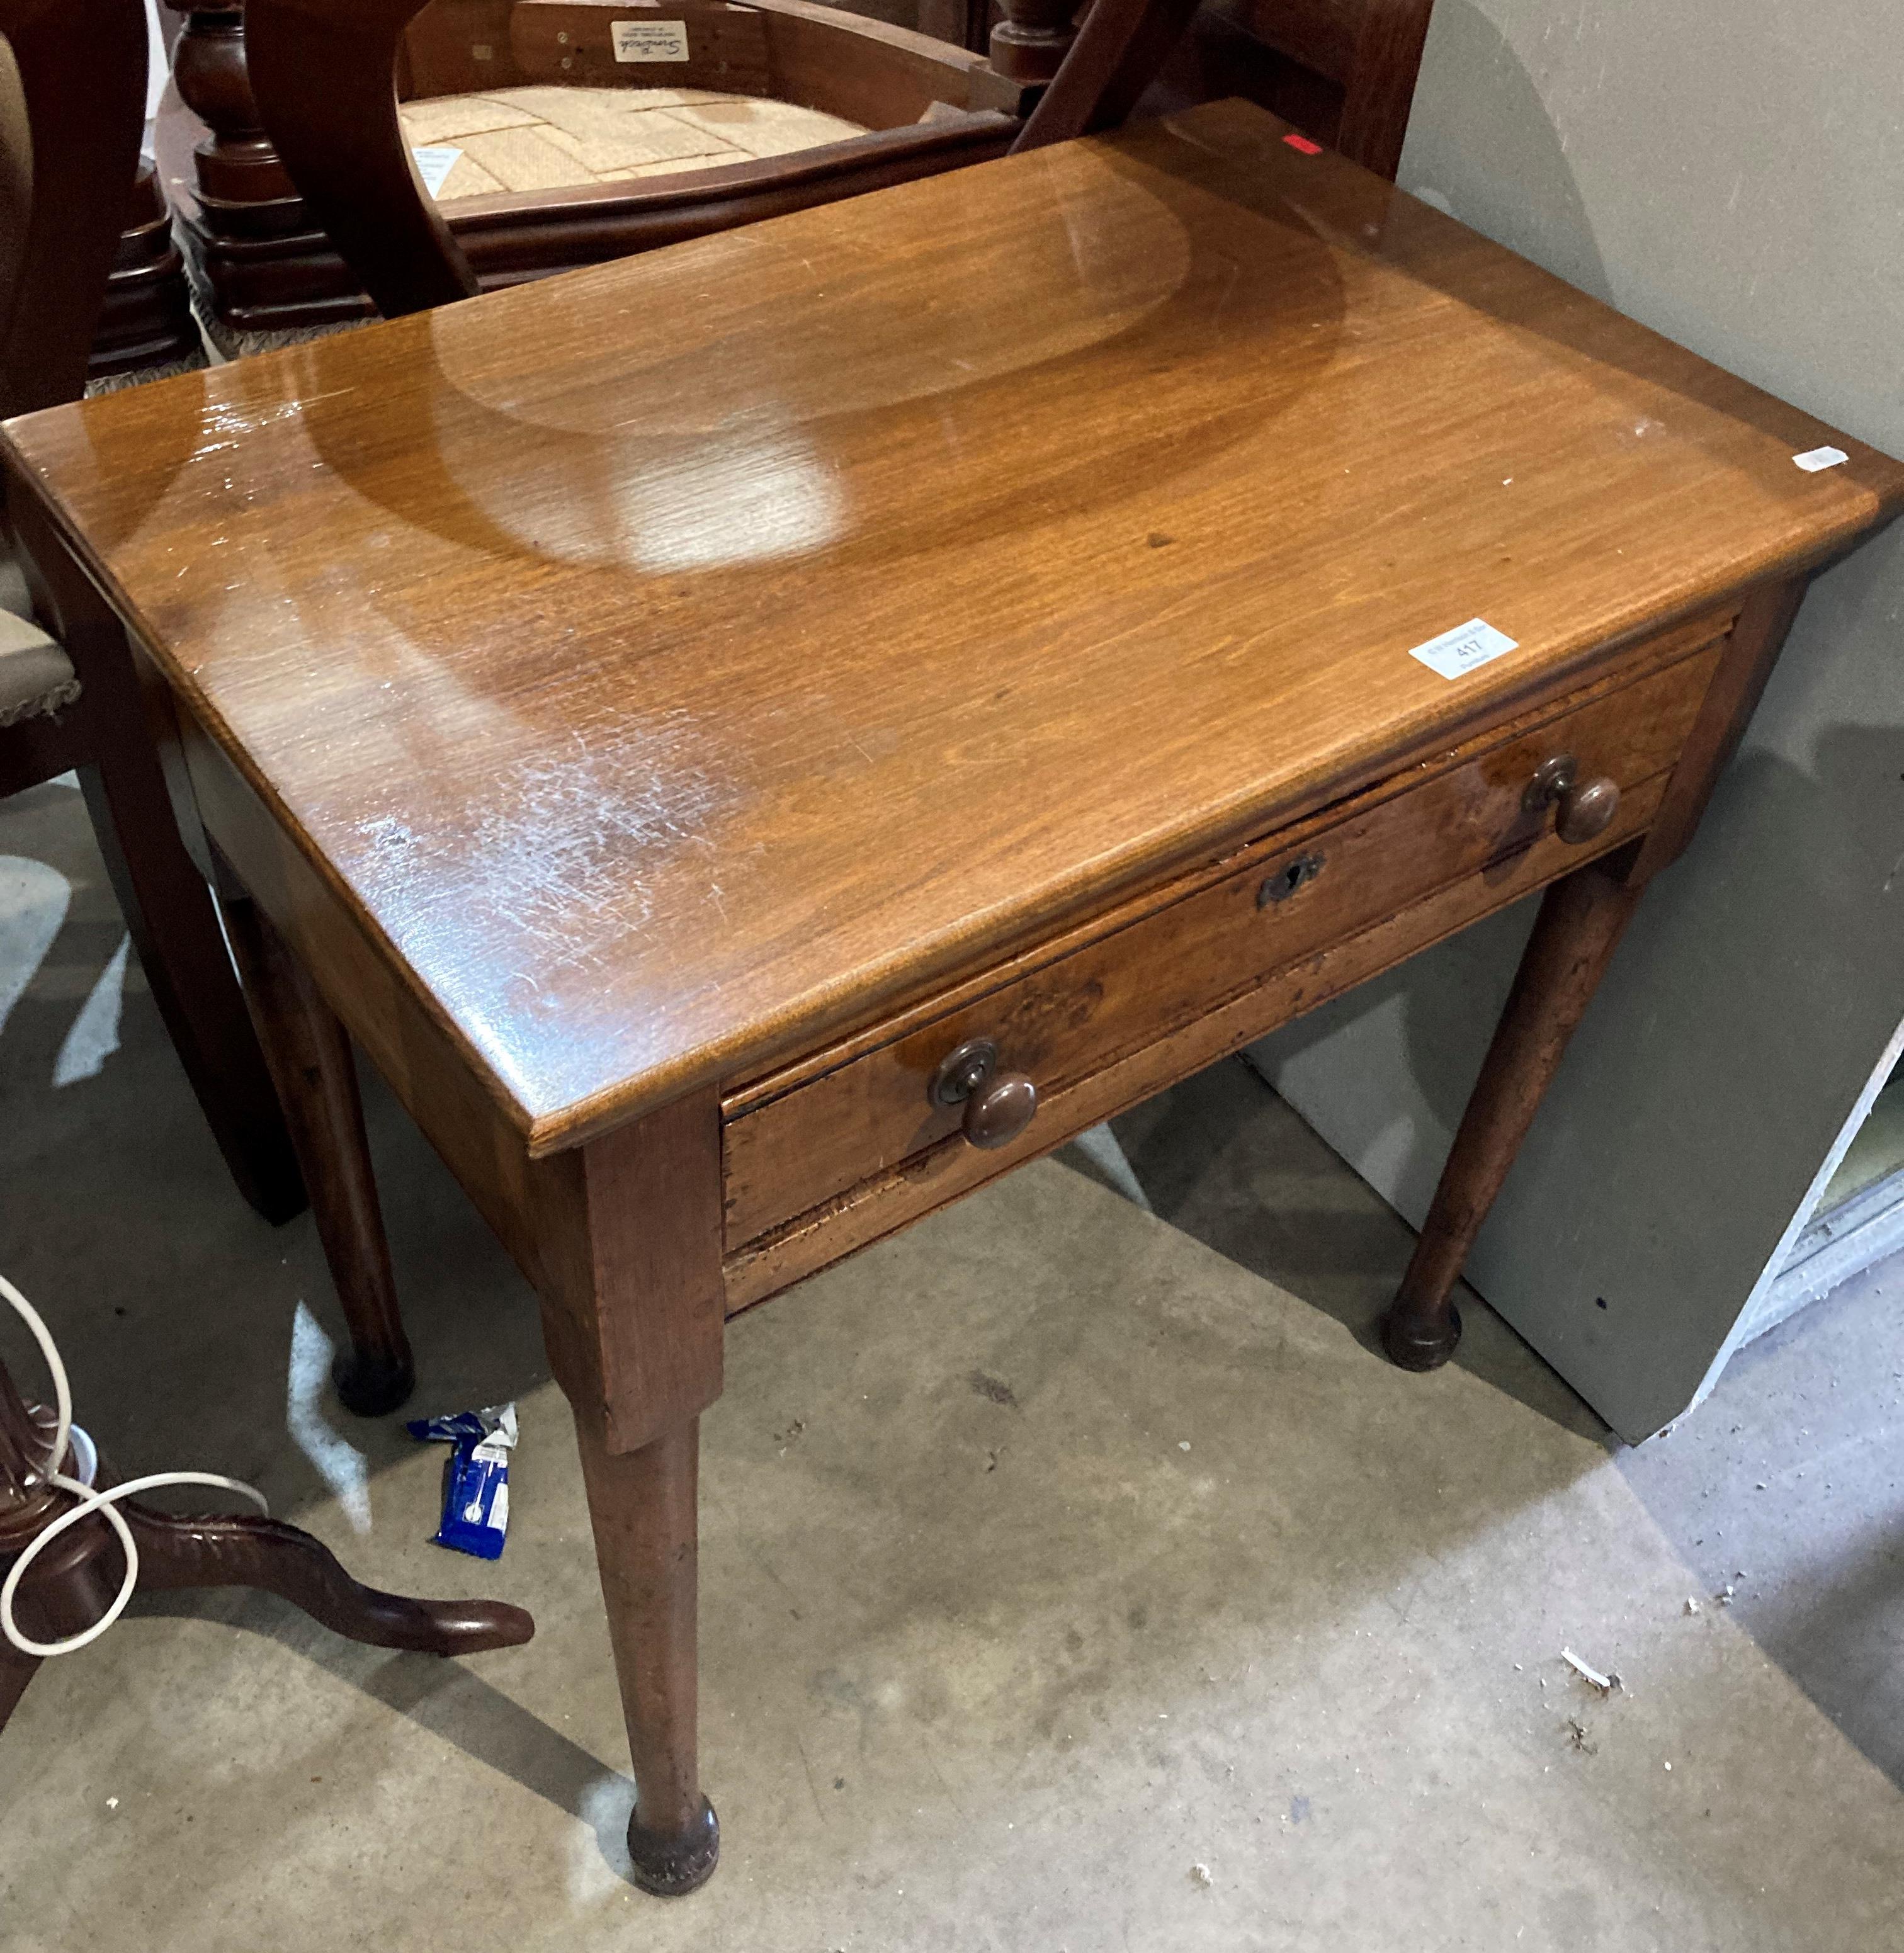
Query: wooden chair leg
[(309, 1052), (1580, 922), (641, 1504), (169, 910), (173, 919)]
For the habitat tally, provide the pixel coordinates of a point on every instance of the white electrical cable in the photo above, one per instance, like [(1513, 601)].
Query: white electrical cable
[(91, 1500)]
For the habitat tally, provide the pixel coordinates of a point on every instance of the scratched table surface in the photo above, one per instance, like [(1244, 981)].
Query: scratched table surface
[(677, 661)]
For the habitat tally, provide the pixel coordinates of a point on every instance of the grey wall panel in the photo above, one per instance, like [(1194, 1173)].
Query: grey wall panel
[(1732, 174)]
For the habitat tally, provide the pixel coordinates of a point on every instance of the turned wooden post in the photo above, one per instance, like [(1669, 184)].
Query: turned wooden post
[(1031, 42), (243, 186)]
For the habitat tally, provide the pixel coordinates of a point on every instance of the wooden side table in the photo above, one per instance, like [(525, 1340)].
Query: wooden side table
[(757, 740)]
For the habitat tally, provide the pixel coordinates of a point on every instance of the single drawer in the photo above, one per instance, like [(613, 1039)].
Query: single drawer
[(999, 1049)]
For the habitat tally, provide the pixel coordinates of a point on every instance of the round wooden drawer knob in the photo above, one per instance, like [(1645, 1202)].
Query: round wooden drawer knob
[(999, 1104), (1583, 810), (1586, 812)]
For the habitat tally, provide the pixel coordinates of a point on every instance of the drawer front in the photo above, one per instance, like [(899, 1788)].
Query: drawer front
[(1282, 900)]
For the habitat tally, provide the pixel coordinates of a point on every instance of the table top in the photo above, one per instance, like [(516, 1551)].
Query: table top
[(677, 661)]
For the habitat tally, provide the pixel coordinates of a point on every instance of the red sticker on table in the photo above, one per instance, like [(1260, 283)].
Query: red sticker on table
[(1303, 143)]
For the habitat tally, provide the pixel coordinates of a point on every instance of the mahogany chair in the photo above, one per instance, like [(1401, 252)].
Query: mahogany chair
[(323, 73), (265, 267), (1342, 70), (72, 105)]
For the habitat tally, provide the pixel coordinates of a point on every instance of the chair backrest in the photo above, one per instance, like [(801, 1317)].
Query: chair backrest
[(1344, 71), (324, 74), (72, 109)]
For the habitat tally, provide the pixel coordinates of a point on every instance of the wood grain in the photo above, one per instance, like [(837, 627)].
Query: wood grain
[(1060, 1023), (632, 1305), (884, 1202), (1379, 85), (1032, 534), (416, 1051), (1757, 641)]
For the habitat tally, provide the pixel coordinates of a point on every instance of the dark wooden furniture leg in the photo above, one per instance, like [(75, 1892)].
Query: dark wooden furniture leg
[(641, 1504), (246, 1551), (70, 1585), (1581, 919), (634, 1314), (170, 912), (171, 916), (309, 1052)]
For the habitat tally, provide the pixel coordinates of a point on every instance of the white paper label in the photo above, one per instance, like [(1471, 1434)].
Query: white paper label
[(1456, 653), (433, 163), (649, 40), (1820, 457)]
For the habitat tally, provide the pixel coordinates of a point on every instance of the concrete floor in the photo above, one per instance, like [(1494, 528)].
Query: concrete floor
[(1073, 1577)]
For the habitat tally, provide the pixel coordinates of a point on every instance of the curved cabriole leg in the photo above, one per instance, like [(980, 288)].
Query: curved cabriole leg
[(1580, 922), (243, 1551), (309, 1052), (642, 1505)]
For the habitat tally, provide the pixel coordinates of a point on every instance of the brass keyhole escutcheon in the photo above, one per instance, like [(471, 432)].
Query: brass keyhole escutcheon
[(999, 1105)]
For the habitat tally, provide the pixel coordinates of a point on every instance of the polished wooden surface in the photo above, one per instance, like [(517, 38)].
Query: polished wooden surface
[(1027, 535), (865, 1110), (695, 721)]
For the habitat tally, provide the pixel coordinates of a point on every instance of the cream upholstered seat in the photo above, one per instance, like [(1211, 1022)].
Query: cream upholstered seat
[(36, 675), (562, 137)]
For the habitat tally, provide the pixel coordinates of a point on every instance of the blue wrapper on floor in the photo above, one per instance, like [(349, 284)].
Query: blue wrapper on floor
[(475, 1481)]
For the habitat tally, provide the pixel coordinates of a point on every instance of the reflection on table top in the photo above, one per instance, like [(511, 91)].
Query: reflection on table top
[(675, 660)]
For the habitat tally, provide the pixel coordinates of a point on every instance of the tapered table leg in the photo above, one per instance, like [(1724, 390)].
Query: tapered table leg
[(309, 1052), (634, 1310), (641, 1504), (1580, 922)]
